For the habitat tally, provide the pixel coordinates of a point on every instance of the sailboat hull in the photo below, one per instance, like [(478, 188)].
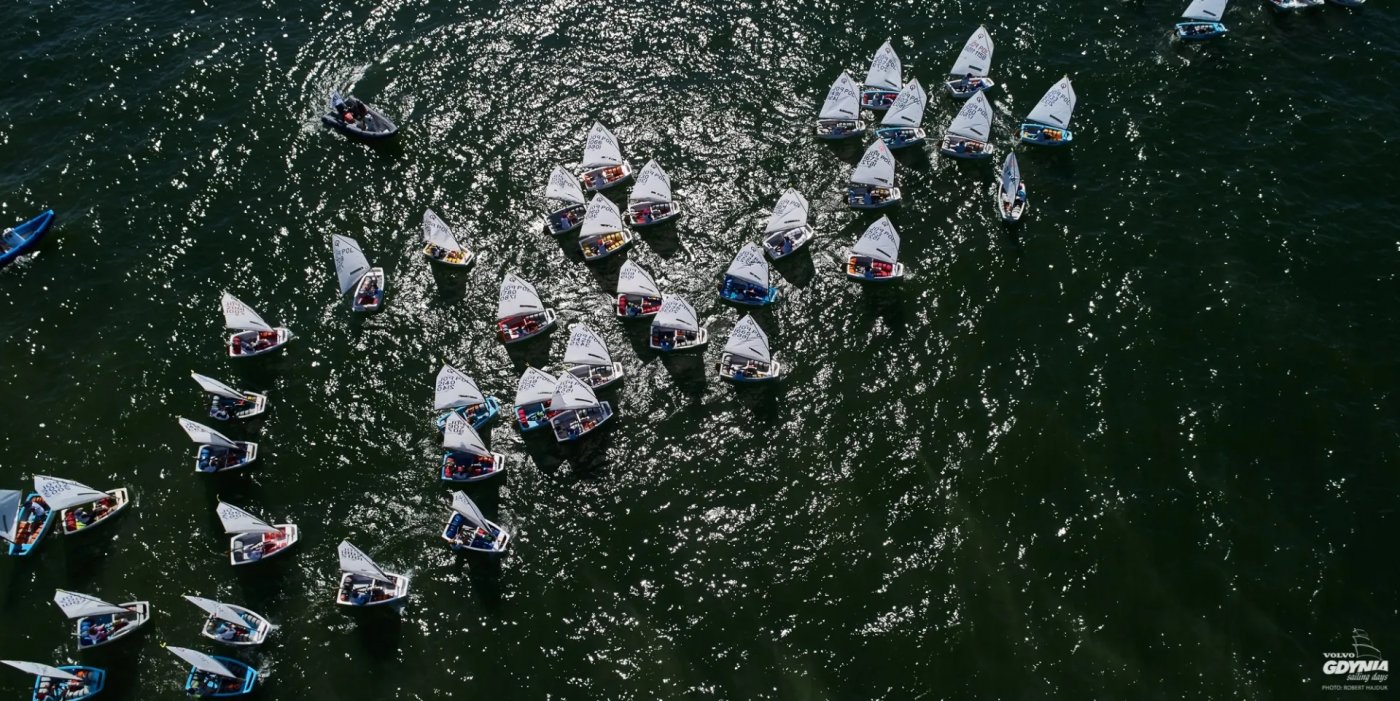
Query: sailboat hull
[(497, 466), (457, 522), (837, 129), (866, 197), (877, 99), (195, 683), (209, 459), (451, 259), (744, 371), (379, 595), (1038, 134), (1199, 31), (781, 244), (519, 328), (478, 415), (247, 344), (740, 292), (606, 177), (259, 628), (695, 340), (971, 149), (532, 417), (369, 293), (637, 306), (576, 423), (562, 221), (600, 247), (33, 533), (648, 214), (248, 548), (83, 628), (68, 518), (597, 376), (16, 241), (901, 137), (93, 681), (863, 269), (960, 90)]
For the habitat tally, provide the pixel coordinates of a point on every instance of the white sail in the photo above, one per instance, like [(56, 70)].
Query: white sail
[(350, 262), (462, 504), (976, 56), (748, 340), (876, 167), (601, 149), (237, 521), (571, 393), (1205, 10), (1056, 108), (10, 500), (354, 561), (61, 493), (842, 100), (219, 610), (517, 297), (214, 386), (908, 108), (437, 232), (601, 218), (241, 317), (203, 435), (563, 186), (1010, 177), (633, 279), (676, 313), (77, 605), (789, 213), (586, 347), (202, 662), (750, 265), (653, 185), (454, 389), (535, 386), (885, 71), (459, 435), (880, 241), (42, 670), (974, 120)]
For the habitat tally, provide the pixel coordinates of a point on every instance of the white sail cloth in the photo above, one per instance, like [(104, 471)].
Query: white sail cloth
[(601, 148), (601, 218), (462, 504), (213, 386), (653, 185), (750, 265), (1010, 177), (77, 605), (42, 670), (350, 262), (241, 317), (572, 393), (517, 297), (1056, 107), (880, 241), (789, 213), (633, 279), (842, 100), (676, 313), (908, 108), (438, 233), (885, 70), (354, 561), (453, 388), (975, 57), (586, 347), (563, 186), (974, 120), (201, 661), (237, 521), (459, 435), (10, 499), (219, 610), (535, 386), (876, 167), (1205, 10), (748, 340), (203, 435), (62, 494)]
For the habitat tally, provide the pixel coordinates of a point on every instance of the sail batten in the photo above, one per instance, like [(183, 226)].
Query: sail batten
[(876, 167), (453, 389), (350, 262), (586, 347), (880, 241), (748, 340), (241, 317), (237, 521), (633, 279), (842, 99), (517, 297)]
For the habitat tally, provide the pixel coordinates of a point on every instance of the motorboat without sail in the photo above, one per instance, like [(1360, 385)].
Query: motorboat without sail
[(574, 410), (602, 234), (25, 521), (68, 682), (587, 358), (465, 457), (603, 166), (232, 625), (98, 623), (353, 271), (746, 356), (900, 126), (787, 230), (227, 403), (253, 335), (969, 73), (969, 136), (23, 236), (217, 452), (564, 187), (1048, 123), (532, 397), (254, 539), (872, 182), (840, 114), (1012, 201), (650, 202), (520, 314), (883, 80), (875, 257), (468, 529), (215, 676), (746, 279), (1202, 20), (440, 245), (676, 327), (353, 117), (363, 583), (456, 393), (638, 295)]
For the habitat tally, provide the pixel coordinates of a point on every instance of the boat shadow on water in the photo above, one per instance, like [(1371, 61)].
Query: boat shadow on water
[(687, 370), (586, 458), (882, 303), (450, 286), (379, 629), (664, 238), (797, 268), (532, 352)]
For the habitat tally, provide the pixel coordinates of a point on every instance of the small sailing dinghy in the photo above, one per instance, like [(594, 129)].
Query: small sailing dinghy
[(603, 166), (602, 233), (900, 126), (213, 675), (1012, 202), (97, 622), (746, 280), (352, 117), (746, 357), (574, 410), (637, 293), (650, 203), (519, 313), (24, 236), (363, 583), (68, 682), (254, 539), (79, 506), (969, 73), (787, 229), (564, 187), (467, 528), (254, 336), (230, 624), (587, 358), (875, 257), (216, 452), (440, 245), (456, 393), (1202, 20), (30, 520), (1048, 123), (226, 403), (676, 327), (883, 80), (968, 136), (465, 457), (353, 271), (840, 115), (872, 182), (532, 397)]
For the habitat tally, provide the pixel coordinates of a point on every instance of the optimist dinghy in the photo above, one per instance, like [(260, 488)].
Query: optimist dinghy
[(466, 458), (968, 136), (637, 293), (440, 245), (1012, 202), (1048, 123), (22, 237), (363, 583), (217, 453), (254, 336), (883, 80), (840, 115), (564, 187), (746, 357), (353, 271), (352, 117), (587, 358), (215, 676), (650, 203), (900, 127), (68, 682), (603, 166), (875, 257), (532, 397), (872, 182), (254, 539), (230, 624), (969, 73), (457, 393), (227, 403), (1202, 20), (574, 410), (676, 328), (746, 280), (80, 507), (467, 528), (602, 233), (24, 522), (520, 314), (787, 229), (97, 622)]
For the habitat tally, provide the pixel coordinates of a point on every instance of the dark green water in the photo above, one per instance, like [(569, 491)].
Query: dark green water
[(1142, 447)]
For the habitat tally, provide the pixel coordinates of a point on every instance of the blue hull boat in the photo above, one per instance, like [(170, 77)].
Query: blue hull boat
[(14, 242), (1199, 31), (532, 416), (478, 415), (212, 685), (32, 533), (738, 292), (900, 137), (1044, 135), (93, 681), (480, 543)]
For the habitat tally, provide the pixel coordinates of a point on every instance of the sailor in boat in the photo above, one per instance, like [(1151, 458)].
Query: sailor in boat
[(263, 340), (518, 327), (100, 630), (58, 689), (232, 632), (460, 466), (670, 338), (225, 408), (352, 112), (969, 83), (600, 179), (202, 683), (634, 305), (1040, 133), (869, 267), (474, 537), (265, 544), (868, 195), (740, 290), (80, 517), (369, 295), (213, 458)]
